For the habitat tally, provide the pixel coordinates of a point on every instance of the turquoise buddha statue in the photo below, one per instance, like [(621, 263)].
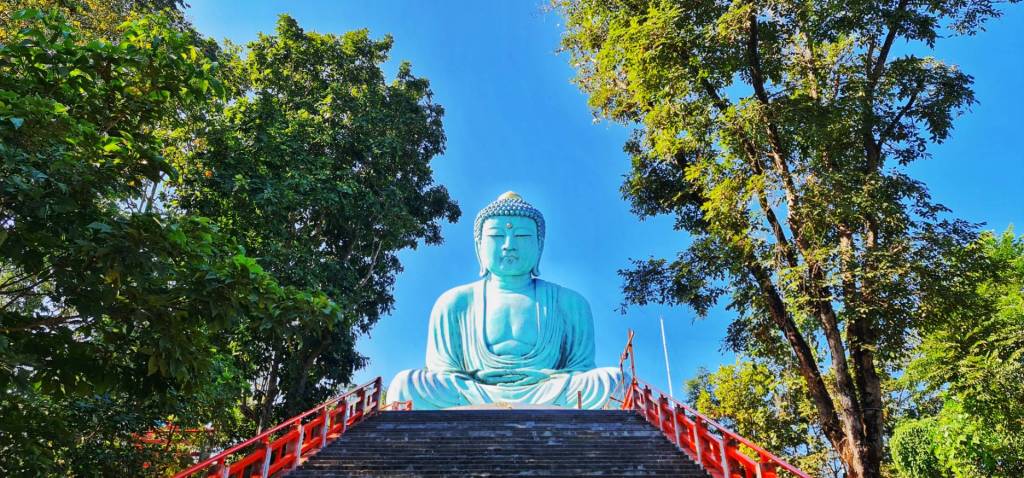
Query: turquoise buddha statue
[(509, 337)]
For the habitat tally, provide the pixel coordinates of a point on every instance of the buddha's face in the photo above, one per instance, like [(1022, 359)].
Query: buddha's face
[(509, 245)]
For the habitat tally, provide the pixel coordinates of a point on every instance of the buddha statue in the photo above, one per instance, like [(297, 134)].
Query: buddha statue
[(509, 337)]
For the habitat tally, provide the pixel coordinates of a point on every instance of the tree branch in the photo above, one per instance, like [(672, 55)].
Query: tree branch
[(776, 150), (883, 53), (891, 128), (373, 263), (46, 322)]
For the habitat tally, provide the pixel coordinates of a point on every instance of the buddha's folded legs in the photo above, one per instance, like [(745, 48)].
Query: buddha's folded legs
[(437, 390), (593, 387)]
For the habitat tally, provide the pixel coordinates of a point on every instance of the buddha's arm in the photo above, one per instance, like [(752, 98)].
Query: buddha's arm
[(444, 336), (579, 355)]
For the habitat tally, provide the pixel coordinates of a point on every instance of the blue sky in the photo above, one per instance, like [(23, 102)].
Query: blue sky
[(515, 122)]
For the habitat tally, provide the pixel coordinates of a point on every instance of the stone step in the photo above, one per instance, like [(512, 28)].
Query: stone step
[(457, 470), (453, 474), (507, 465), (501, 443), (510, 441)]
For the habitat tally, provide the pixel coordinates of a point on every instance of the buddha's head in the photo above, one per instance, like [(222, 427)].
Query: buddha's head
[(509, 237)]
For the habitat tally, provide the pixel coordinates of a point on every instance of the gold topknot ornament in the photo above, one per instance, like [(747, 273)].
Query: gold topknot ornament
[(510, 195)]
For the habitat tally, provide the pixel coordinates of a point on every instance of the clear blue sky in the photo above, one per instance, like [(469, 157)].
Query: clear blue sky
[(515, 122)]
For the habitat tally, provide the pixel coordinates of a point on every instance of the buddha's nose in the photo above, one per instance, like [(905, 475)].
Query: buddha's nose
[(508, 244)]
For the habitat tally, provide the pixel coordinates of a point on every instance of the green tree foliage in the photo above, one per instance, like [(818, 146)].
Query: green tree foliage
[(778, 135), (121, 308), (913, 449), (767, 406), (974, 362), (97, 18), (322, 169)]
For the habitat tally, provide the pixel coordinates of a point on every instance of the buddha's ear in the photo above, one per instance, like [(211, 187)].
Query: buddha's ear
[(479, 260), (536, 267)]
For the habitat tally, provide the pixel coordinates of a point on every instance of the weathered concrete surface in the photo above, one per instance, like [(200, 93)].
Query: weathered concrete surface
[(501, 443)]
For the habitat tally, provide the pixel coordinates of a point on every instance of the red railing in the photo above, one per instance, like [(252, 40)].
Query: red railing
[(714, 447), (287, 445)]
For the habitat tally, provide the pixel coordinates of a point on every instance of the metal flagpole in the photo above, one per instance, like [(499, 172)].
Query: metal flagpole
[(664, 347)]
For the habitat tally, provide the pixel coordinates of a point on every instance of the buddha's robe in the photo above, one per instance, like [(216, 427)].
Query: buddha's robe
[(461, 365)]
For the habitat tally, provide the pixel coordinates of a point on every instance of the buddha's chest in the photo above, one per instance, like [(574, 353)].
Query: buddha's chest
[(511, 324)]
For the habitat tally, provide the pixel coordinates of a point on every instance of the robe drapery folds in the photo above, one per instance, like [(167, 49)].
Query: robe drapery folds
[(459, 360)]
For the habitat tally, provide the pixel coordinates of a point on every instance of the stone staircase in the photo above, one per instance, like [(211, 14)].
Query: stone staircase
[(499, 443)]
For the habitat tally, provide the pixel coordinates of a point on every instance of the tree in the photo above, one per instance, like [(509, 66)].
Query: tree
[(115, 315), (778, 135), (973, 361), (322, 169)]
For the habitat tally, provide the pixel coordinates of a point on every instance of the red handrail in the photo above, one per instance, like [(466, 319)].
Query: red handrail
[(711, 445), (288, 444)]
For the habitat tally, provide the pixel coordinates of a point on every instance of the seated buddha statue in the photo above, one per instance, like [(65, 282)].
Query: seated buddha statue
[(509, 337)]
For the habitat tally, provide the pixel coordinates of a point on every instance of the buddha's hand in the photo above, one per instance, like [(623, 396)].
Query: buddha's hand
[(510, 377)]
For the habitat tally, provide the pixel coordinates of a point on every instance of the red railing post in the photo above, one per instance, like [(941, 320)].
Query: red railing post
[(344, 415), (628, 403), (222, 468), (698, 444), (579, 399), (378, 385), (765, 467), (727, 444), (325, 426), (298, 443), (677, 424), (267, 456), (360, 410), (662, 406), (647, 404)]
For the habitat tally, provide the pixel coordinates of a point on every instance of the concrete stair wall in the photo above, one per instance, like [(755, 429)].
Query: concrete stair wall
[(501, 443)]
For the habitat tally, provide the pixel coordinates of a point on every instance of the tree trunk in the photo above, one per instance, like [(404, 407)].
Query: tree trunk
[(853, 430), (271, 395), (300, 387)]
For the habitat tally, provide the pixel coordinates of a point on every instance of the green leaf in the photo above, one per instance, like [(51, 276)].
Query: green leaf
[(27, 14), (112, 146), (154, 365)]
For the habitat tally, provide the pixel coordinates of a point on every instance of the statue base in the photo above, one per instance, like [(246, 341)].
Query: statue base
[(508, 406)]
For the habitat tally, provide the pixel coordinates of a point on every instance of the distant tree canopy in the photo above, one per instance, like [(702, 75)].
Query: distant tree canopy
[(188, 237), (777, 135)]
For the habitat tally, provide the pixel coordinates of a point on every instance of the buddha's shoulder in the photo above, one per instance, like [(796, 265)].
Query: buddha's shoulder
[(456, 297), (568, 298)]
